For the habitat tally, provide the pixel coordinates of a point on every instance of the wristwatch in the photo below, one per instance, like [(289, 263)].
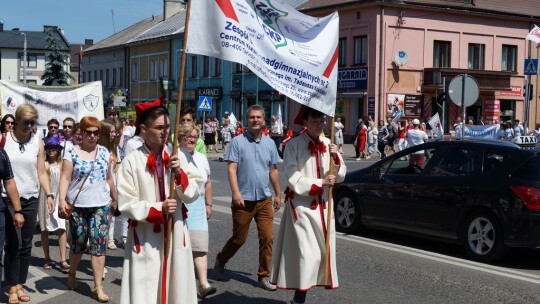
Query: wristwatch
[(50, 195), (18, 211)]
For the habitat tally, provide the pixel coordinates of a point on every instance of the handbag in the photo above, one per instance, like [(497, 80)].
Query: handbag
[(68, 210)]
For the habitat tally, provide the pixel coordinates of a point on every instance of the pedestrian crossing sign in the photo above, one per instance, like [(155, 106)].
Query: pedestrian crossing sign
[(531, 67), (205, 103)]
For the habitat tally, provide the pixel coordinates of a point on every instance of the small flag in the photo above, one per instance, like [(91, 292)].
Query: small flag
[(279, 121), (534, 35), (232, 119), (435, 123)]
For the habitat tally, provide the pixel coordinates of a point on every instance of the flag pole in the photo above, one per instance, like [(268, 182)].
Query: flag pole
[(169, 227), (329, 214)]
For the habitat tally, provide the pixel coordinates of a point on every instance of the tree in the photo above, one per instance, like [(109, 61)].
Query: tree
[(55, 74)]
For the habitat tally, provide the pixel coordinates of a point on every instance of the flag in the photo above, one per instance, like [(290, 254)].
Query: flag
[(435, 123), (396, 119), (296, 54), (534, 35), (232, 120), (279, 120)]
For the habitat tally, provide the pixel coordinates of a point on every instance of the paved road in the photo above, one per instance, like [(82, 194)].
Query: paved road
[(374, 267)]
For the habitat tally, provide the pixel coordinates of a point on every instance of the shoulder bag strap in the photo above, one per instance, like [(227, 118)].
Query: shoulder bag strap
[(3, 140)]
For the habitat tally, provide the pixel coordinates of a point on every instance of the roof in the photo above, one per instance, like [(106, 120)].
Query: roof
[(34, 40), (524, 8), (168, 27), (126, 35)]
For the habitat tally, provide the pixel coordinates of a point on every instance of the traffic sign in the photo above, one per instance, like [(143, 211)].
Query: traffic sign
[(205, 103), (457, 90), (531, 67)]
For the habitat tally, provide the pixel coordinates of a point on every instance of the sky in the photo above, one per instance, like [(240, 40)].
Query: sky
[(80, 19)]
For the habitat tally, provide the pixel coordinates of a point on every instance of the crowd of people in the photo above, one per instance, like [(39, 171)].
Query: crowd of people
[(78, 177)]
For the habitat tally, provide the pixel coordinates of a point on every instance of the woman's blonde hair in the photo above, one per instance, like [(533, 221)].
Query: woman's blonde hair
[(26, 111), (186, 129)]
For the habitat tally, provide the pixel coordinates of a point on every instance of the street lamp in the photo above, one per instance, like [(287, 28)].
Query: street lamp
[(164, 89), (24, 58)]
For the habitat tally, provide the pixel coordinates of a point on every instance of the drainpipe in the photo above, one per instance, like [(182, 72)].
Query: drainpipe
[(381, 61)]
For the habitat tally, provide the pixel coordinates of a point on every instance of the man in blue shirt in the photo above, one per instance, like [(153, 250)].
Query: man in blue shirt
[(252, 161)]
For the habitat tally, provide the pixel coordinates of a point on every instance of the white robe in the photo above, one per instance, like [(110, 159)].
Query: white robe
[(298, 259), (139, 200)]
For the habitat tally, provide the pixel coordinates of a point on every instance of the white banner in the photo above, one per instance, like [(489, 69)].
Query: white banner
[(534, 35), (296, 54), (481, 131), (279, 120), (54, 102), (436, 126)]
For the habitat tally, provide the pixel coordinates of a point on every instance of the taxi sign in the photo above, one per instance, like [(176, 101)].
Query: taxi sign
[(525, 141)]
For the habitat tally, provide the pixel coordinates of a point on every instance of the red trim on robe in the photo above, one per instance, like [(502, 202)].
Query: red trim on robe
[(315, 190), (337, 160), (155, 216), (182, 180), (133, 224)]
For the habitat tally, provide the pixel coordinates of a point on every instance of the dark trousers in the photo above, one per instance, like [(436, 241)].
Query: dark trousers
[(2, 233), (263, 212), (380, 147), (18, 246), (277, 140)]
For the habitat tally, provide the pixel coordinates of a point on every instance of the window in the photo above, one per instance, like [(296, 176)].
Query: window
[(409, 164), (237, 68), (476, 56), (493, 162), (83, 76), (135, 72), (206, 66), (31, 61), (193, 66), (153, 70), (95, 76), (360, 50), (509, 58), (114, 77), (342, 59), (217, 67), (441, 54), (101, 75), (457, 162), (121, 83), (107, 83), (163, 68)]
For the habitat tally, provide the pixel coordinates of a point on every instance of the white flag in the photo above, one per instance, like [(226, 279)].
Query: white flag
[(232, 119), (534, 35), (279, 121), (296, 54), (435, 123)]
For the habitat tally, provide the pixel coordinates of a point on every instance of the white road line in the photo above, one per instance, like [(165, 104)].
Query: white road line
[(500, 271)]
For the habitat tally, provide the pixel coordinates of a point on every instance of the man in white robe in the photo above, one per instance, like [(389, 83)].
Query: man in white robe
[(143, 186), (299, 254)]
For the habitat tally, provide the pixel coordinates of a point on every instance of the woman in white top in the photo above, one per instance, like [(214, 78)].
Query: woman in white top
[(27, 156), (86, 183)]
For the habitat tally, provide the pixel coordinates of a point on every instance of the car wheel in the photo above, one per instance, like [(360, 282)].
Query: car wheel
[(482, 237), (347, 212)]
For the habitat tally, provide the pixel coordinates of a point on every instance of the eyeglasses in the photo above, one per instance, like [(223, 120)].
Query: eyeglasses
[(68, 127), (112, 114), (53, 127), (29, 122), (191, 137), (90, 133), (9, 122)]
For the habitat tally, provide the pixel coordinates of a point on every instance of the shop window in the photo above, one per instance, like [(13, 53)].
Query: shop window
[(206, 66), (237, 67), (509, 58), (508, 109), (476, 56), (217, 67), (441, 54)]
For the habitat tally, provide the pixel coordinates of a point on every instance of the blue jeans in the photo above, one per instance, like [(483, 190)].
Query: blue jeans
[(19, 241)]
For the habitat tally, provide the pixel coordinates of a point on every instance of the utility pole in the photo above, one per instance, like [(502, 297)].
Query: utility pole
[(24, 58)]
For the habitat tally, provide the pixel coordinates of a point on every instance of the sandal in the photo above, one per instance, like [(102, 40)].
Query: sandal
[(111, 245), (13, 297), (99, 295), (23, 297), (48, 264), (64, 265)]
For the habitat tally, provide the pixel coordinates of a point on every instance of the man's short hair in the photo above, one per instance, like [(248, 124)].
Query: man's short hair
[(53, 121), (152, 114), (188, 110), (69, 119), (255, 107)]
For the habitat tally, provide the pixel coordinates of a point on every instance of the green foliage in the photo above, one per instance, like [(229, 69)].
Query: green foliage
[(55, 74), (340, 110)]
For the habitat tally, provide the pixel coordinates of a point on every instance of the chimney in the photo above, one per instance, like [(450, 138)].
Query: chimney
[(88, 42), (171, 8), (1, 26), (15, 29)]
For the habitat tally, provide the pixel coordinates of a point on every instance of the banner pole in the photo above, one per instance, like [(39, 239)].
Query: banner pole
[(329, 214), (169, 227)]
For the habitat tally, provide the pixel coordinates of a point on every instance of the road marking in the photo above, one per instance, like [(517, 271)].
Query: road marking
[(496, 270)]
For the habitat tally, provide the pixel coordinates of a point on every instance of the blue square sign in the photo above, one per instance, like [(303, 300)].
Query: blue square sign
[(205, 103), (531, 67)]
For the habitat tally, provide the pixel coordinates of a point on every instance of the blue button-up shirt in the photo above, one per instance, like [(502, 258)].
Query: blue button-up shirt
[(254, 159)]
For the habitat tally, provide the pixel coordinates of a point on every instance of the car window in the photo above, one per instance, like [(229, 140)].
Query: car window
[(494, 161), (457, 162), (412, 163), (529, 170)]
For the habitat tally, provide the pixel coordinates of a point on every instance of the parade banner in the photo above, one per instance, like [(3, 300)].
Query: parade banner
[(436, 126), (54, 102), (296, 54), (485, 131), (534, 34)]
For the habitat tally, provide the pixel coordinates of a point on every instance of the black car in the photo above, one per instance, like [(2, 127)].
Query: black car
[(484, 194)]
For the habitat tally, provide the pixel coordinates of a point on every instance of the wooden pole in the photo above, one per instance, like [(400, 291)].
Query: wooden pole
[(329, 214), (169, 227)]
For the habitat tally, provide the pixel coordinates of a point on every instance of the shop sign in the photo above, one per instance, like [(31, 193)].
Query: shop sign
[(371, 107), (352, 79), (404, 105), (515, 91), (492, 111), (214, 92), (271, 96)]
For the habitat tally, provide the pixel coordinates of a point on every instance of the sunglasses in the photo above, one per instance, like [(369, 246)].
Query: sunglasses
[(53, 127), (29, 122), (113, 114), (90, 133), (9, 122), (68, 127)]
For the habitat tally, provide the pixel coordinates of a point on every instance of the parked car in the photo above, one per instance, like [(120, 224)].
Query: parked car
[(484, 194)]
